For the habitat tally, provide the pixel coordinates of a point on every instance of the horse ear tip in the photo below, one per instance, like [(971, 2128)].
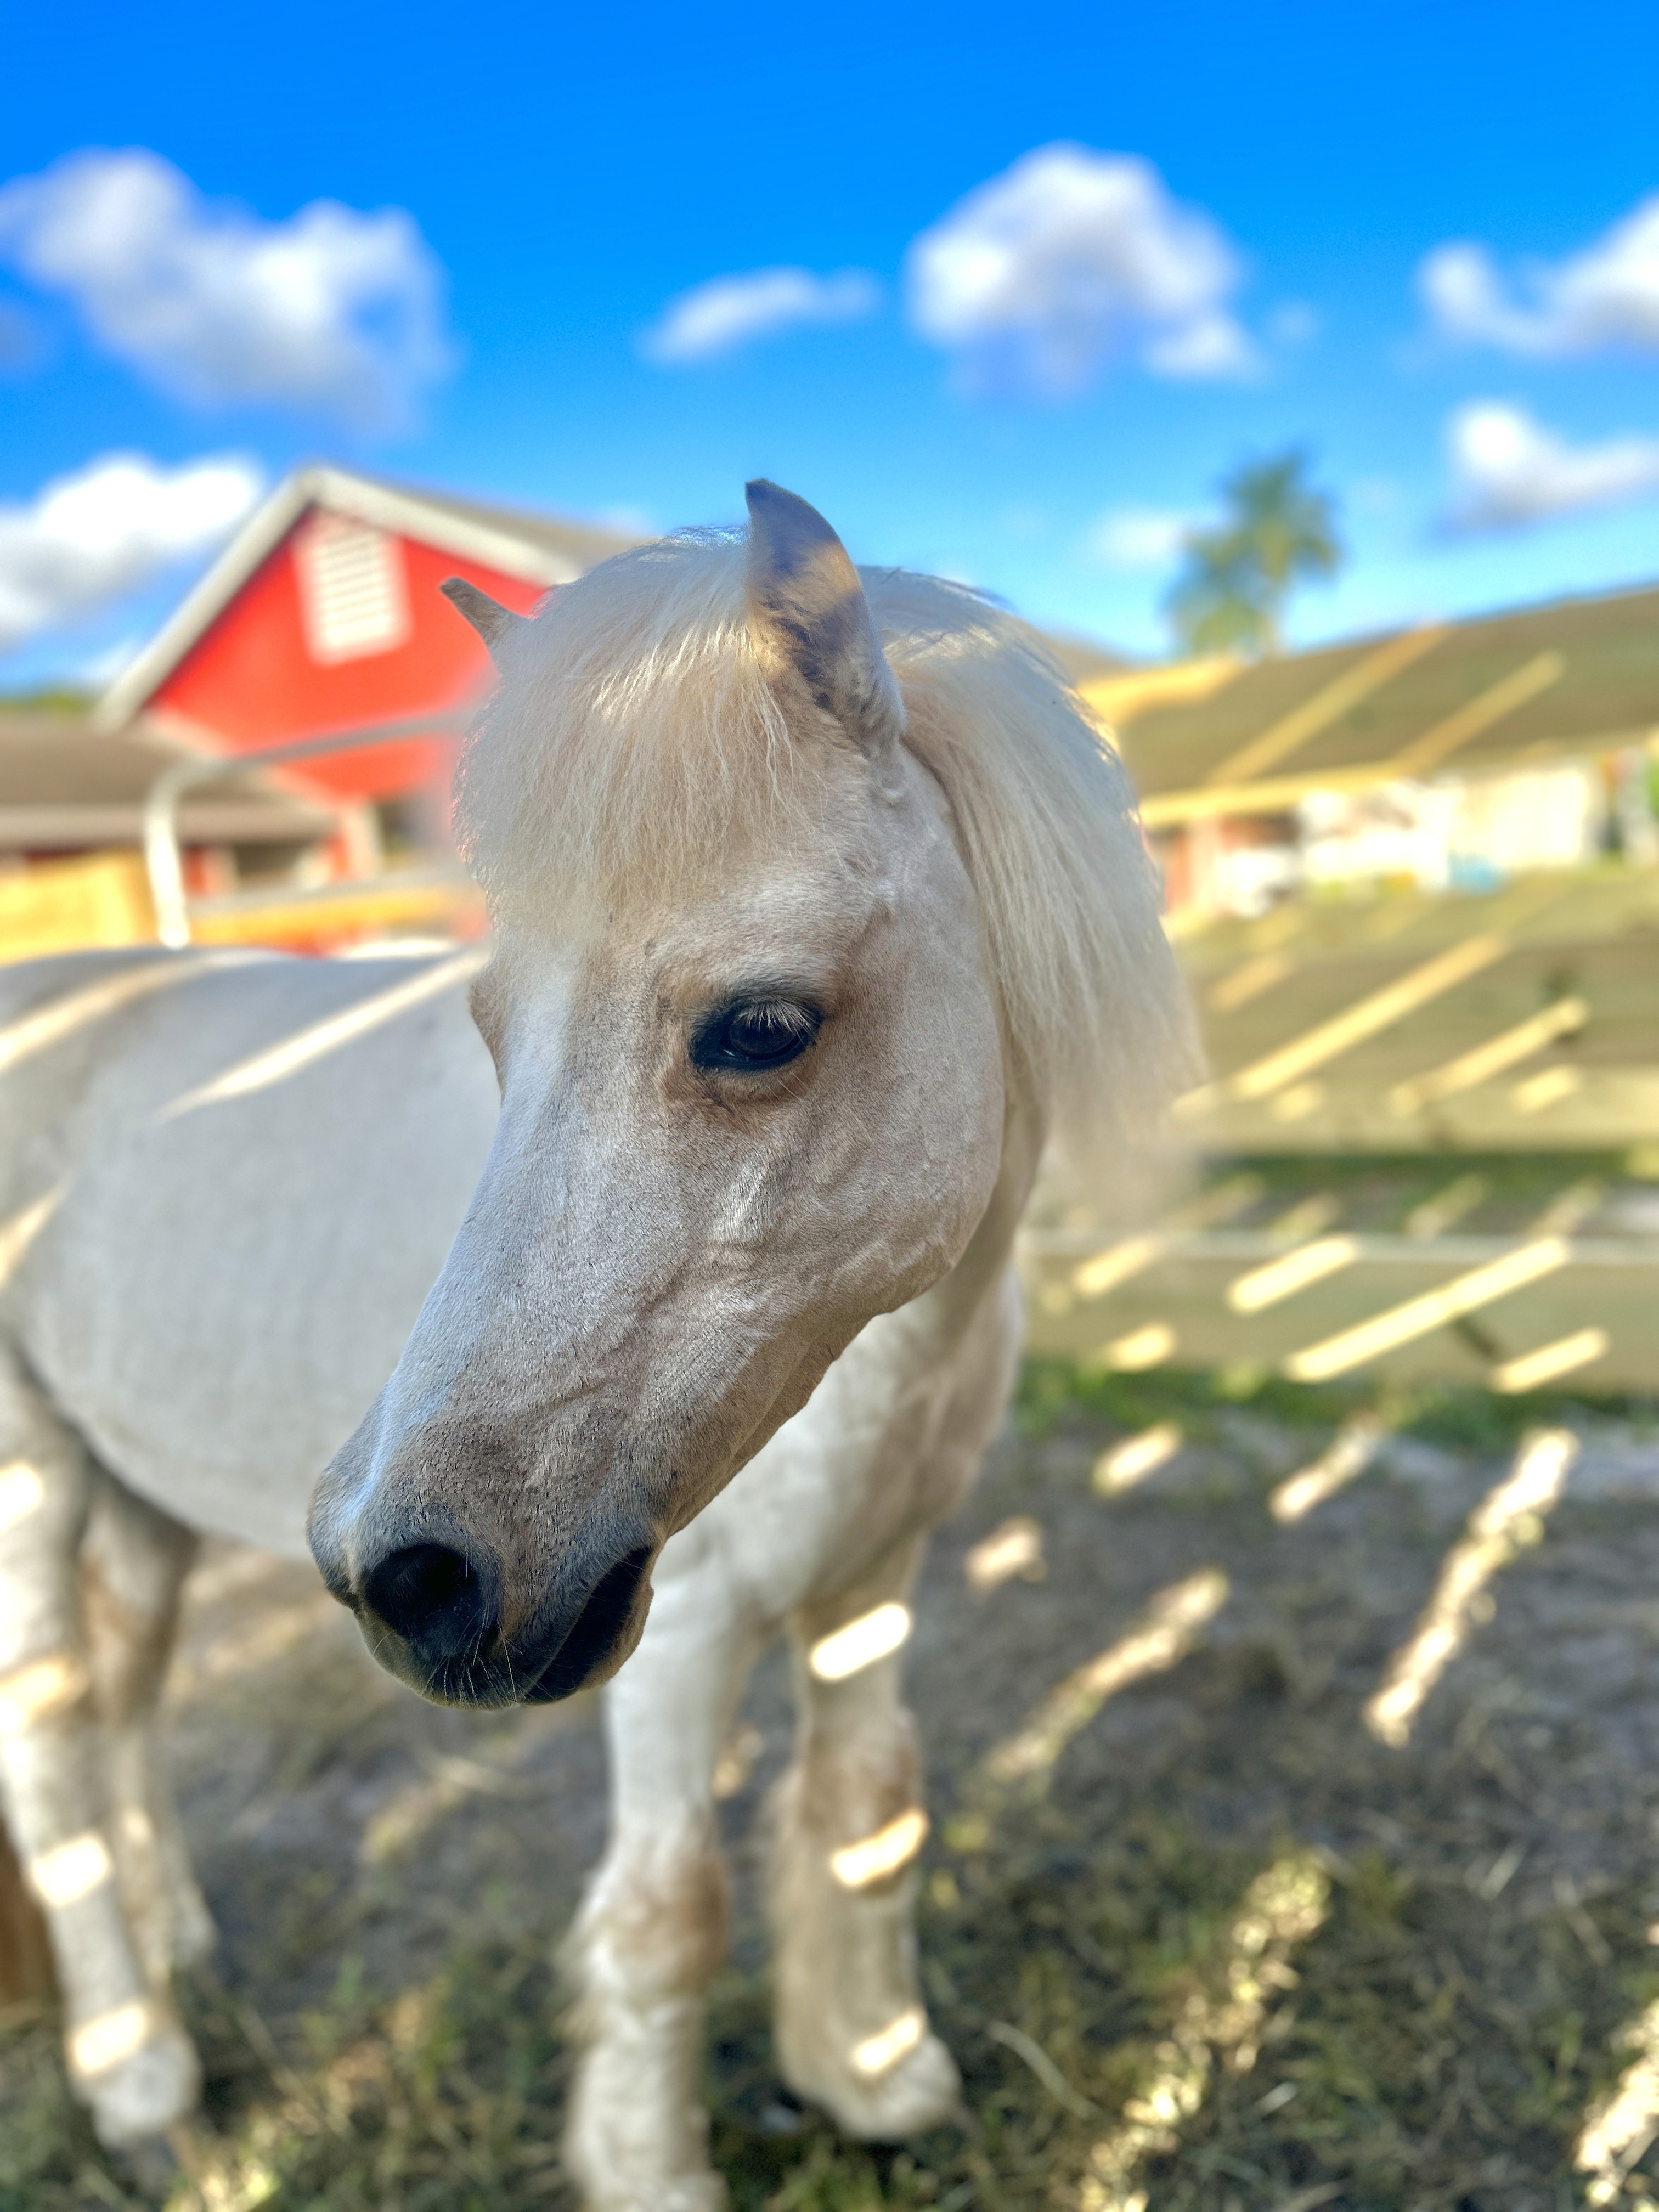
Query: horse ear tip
[(494, 623), (783, 516)]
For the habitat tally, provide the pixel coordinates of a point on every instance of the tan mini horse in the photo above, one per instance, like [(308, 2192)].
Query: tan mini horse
[(819, 908)]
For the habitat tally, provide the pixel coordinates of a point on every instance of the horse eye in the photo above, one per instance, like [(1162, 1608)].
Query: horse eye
[(756, 1034)]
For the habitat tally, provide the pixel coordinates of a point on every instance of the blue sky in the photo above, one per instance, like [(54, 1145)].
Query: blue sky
[(1043, 430)]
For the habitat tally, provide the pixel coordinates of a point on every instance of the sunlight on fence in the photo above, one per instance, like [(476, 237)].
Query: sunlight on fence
[(1297, 1103), (1105, 1271), (1367, 1018), (1140, 1349), (1544, 1089), (1252, 981), (1165, 1632), (1507, 1520), (1297, 1271), (1620, 2129), (1283, 1907), (1093, 1278), (1532, 1369), (1503, 1051), (1465, 1294)]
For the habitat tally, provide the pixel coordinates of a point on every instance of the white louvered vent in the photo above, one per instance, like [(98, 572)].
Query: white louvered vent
[(353, 596)]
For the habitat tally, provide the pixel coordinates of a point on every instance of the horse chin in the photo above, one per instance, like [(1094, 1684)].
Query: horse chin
[(605, 1634), (474, 1683)]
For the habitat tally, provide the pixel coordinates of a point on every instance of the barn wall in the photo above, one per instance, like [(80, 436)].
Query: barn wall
[(252, 678)]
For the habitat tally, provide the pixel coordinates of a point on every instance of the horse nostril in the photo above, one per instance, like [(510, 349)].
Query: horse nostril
[(434, 1598)]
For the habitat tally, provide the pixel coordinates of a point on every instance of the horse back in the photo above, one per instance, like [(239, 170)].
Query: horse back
[(228, 1183)]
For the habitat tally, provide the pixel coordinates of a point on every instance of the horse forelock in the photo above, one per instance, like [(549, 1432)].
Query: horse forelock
[(636, 753)]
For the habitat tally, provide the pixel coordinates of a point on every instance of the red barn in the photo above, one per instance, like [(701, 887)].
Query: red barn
[(323, 615)]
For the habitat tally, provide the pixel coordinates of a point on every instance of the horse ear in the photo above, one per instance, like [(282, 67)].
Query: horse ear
[(494, 623), (810, 621)]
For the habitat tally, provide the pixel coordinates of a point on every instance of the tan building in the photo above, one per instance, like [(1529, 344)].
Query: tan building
[(1451, 756)]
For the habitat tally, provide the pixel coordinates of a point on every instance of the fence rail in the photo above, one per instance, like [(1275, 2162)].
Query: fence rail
[(1506, 1312), (163, 854)]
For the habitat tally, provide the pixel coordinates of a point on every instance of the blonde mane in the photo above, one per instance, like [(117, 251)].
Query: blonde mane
[(634, 740)]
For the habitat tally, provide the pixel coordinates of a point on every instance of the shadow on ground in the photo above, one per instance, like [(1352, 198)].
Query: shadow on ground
[(1424, 2026)]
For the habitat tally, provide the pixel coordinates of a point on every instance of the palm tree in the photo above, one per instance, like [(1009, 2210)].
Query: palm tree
[(1278, 531)]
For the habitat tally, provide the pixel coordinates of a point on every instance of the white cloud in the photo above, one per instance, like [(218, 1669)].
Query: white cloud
[(729, 311), (332, 311), (93, 537), (1139, 539), (1607, 295), (1507, 470), (1068, 258)]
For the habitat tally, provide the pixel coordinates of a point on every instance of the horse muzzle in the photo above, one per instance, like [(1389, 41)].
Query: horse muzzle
[(433, 1613)]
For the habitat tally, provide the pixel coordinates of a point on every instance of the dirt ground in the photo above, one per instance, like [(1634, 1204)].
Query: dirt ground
[(1204, 1942)]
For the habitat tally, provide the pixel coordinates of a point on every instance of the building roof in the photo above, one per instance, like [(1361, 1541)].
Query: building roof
[(1576, 676), (542, 548), (1082, 660), (67, 786)]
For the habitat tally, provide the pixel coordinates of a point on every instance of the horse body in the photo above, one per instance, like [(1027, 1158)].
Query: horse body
[(227, 1274), (799, 957)]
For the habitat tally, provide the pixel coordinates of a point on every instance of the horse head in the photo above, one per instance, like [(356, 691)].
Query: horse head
[(752, 1058)]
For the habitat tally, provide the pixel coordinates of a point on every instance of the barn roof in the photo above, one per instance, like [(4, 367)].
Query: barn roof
[(1577, 675), (542, 548)]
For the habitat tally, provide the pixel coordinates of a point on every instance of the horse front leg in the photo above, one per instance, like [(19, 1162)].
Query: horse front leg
[(134, 1560), (128, 2057), (651, 1930), (852, 2031)]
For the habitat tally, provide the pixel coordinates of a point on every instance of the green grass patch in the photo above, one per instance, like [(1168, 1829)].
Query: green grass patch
[(1419, 2043)]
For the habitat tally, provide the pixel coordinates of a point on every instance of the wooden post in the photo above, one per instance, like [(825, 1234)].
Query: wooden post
[(25, 1953)]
